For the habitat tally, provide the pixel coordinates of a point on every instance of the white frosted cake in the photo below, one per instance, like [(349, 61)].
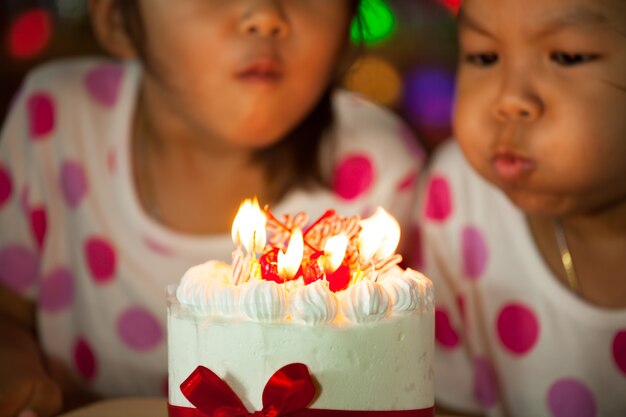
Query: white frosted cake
[(321, 321)]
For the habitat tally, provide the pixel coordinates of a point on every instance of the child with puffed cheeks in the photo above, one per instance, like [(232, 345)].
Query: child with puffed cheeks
[(117, 175), (523, 216)]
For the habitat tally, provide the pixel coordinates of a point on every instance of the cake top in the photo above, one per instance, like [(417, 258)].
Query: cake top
[(288, 269)]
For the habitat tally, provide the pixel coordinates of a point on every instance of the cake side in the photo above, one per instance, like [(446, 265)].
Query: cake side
[(382, 365)]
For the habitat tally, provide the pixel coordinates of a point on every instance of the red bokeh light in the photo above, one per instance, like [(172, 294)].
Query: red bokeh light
[(30, 33), (453, 5)]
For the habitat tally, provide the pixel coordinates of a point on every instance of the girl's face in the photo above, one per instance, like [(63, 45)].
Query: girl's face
[(541, 100), (243, 72)]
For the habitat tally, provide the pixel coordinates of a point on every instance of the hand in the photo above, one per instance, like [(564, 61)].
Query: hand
[(27, 391), (24, 382)]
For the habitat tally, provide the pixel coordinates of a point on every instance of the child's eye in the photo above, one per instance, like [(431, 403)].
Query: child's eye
[(570, 59), (482, 60)]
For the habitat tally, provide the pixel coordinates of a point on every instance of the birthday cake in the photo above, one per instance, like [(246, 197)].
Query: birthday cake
[(308, 319)]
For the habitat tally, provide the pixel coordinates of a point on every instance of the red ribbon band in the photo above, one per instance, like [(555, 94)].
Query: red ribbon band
[(176, 411), (287, 394)]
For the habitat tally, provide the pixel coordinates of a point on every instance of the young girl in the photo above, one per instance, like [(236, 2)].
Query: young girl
[(115, 177), (524, 219)]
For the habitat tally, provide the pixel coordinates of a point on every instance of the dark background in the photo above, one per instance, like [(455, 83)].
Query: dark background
[(408, 66)]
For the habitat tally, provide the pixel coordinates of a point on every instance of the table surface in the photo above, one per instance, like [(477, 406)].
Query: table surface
[(135, 407)]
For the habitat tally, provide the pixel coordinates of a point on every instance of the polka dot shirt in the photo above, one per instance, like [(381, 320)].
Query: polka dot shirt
[(74, 238), (510, 339)]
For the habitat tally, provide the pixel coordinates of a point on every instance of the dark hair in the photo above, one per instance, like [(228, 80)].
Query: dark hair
[(294, 161)]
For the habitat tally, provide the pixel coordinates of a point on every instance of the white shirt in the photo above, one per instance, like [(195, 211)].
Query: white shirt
[(74, 238), (511, 339)]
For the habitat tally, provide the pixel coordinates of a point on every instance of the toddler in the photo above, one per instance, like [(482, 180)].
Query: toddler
[(524, 216), (117, 176)]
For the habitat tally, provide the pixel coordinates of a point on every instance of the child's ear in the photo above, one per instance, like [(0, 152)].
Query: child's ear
[(109, 28)]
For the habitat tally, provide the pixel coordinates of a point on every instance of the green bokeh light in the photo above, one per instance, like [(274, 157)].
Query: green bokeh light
[(379, 22)]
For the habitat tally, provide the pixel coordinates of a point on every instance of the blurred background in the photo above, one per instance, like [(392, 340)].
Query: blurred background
[(407, 63)]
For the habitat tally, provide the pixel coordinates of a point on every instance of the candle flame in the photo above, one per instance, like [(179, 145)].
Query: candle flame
[(335, 250), (379, 237), (249, 226), (289, 262)]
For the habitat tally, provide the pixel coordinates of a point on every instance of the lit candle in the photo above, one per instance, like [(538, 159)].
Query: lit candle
[(379, 237), (289, 261), (335, 251), (336, 265), (248, 230), (249, 227)]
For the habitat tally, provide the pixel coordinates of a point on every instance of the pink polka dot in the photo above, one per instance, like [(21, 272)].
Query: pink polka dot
[(408, 182), (571, 398), (445, 334), (41, 115), (439, 199), (619, 350), (475, 252), (157, 247), (73, 183), (19, 267), (85, 359), (6, 186), (101, 258), (38, 225), (518, 328), (485, 383), (57, 290), (353, 176), (139, 329), (103, 83)]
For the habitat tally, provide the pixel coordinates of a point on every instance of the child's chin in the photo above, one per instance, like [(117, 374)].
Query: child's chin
[(536, 205), (257, 142), (259, 136)]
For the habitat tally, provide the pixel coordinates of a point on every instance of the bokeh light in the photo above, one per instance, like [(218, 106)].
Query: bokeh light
[(453, 5), (375, 78), (429, 93), (29, 33), (379, 23)]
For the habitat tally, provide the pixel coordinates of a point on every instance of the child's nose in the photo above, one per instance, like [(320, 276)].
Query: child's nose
[(264, 18), (517, 102)]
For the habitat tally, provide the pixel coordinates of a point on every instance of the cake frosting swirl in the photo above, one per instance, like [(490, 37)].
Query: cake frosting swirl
[(365, 301), (405, 291), (209, 290), (314, 304), (263, 301)]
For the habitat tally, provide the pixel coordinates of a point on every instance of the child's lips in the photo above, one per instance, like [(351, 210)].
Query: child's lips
[(510, 166), (263, 70)]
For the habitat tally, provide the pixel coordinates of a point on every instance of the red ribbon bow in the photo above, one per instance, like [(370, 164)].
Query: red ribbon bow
[(290, 389)]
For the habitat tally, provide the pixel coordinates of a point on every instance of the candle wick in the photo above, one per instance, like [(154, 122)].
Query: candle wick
[(254, 245)]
